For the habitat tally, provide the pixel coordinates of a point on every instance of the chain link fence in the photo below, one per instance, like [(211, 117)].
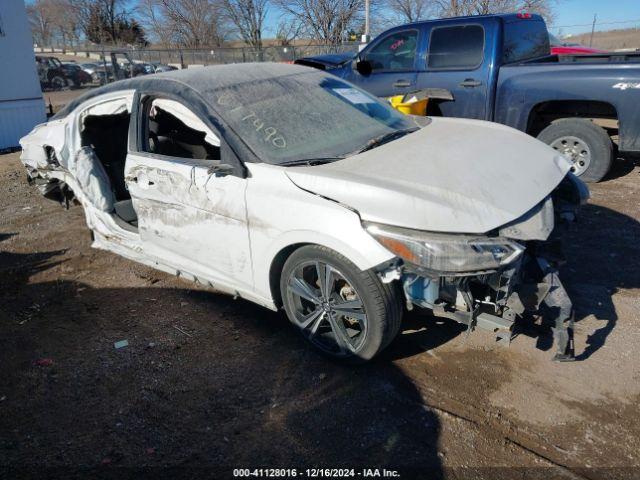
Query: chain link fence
[(185, 57)]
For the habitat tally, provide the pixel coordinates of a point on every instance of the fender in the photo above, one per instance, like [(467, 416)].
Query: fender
[(272, 194)]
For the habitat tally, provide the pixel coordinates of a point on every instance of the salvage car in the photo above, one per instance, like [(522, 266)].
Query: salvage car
[(76, 75), (292, 188), (51, 73)]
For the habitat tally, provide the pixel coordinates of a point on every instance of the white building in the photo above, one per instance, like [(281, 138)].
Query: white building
[(21, 102)]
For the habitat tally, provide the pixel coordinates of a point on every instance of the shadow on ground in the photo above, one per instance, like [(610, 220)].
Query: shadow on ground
[(603, 255), (205, 382), (622, 165)]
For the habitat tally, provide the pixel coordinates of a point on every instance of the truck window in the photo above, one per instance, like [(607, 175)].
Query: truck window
[(459, 47), (396, 52), (523, 40)]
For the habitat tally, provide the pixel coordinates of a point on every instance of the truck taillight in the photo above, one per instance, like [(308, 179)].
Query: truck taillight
[(524, 15)]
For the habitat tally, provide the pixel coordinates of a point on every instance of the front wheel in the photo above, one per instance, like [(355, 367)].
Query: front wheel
[(585, 144), (345, 313)]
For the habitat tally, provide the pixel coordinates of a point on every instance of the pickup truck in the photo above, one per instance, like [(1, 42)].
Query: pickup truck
[(499, 68)]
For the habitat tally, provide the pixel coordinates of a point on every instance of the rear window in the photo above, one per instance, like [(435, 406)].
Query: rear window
[(523, 40), (459, 47)]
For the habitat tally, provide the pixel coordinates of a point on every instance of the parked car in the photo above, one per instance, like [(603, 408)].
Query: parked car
[(89, 67), (76, 74), (558, 47), (51, 73), (159, 68), (292, 188), (499, 68), (93, 69), (138, 69)]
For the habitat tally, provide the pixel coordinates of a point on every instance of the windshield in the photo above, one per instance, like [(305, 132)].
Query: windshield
[(305, 117)]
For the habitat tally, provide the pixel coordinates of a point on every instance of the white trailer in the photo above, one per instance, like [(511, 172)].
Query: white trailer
[(21, 103)]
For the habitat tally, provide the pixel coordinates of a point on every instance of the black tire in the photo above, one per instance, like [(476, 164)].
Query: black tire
[(381, 304), (598, 142), (58, 82)]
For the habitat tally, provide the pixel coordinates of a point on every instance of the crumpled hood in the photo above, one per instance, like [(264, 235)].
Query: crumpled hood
[(454, 175)]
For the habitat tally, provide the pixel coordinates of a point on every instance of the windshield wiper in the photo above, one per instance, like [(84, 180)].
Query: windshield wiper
[(311, 161), (386, 138)]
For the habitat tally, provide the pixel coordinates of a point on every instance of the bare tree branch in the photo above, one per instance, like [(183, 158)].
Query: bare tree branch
[(185, 23), (407, 11), (248, 17), (288, 30), (325, 20)]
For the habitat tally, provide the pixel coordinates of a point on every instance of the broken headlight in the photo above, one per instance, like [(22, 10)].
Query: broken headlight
[(446, 253)]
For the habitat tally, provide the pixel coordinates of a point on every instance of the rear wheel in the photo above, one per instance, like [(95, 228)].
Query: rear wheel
[(585, 144), (345, 313)]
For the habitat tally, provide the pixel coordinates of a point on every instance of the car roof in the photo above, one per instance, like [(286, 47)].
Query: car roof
[(198, 79), (506, 17)]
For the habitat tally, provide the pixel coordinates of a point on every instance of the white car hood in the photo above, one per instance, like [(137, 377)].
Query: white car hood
[(454, 175)]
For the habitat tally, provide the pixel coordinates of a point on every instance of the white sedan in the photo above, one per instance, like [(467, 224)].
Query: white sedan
[(291, 188)]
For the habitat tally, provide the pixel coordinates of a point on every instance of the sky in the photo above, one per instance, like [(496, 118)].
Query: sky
[(572, 16), (570, 13)]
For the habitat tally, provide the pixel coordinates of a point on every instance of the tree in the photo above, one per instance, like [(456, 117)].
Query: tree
[(288, 30), (53, 21), (185, 23), (541, 7), (40, 15), (454, 8), (106, 21), (131, 32), (325, 20), (248, 18), (407, 11)]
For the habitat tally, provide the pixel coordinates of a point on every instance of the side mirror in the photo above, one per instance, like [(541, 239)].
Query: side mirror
[(364, 67), (220, 169)]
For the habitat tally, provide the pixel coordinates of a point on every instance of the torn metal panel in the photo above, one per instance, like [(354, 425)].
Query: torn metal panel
[(536, 224), (34, 146)]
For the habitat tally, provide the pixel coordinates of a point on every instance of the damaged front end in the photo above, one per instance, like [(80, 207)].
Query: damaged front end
[(490, 281)]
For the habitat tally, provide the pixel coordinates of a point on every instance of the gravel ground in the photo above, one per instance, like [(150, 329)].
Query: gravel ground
[(208, 383)]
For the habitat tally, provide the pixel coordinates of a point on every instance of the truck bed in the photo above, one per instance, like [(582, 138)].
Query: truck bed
[(592, 58)]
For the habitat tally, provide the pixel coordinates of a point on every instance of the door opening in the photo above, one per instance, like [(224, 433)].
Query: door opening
[(107, 136)]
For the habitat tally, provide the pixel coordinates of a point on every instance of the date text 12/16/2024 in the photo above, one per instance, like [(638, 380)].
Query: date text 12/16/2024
[(316, 473)]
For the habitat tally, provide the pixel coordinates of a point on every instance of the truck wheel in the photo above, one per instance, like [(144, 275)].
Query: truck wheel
[(345, 313), (585, 144)]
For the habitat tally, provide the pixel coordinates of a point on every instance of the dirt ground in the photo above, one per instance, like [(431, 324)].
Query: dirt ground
[(208, 383)]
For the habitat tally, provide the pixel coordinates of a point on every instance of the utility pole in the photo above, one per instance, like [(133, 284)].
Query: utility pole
[(365, 37), (593, 28)]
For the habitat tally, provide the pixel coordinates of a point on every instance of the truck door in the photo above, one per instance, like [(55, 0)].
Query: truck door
[(392, 59), (458, 59)]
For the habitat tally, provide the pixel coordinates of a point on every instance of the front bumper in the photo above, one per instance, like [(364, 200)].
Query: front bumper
[(529, 289), (525, 290)]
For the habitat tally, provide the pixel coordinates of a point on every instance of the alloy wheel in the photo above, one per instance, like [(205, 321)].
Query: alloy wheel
[(327, 308)]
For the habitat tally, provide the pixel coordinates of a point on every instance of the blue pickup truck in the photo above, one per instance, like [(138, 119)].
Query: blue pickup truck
[(499, 68)]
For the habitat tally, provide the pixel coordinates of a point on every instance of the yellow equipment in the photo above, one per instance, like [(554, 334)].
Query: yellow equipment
[(415, 103)]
